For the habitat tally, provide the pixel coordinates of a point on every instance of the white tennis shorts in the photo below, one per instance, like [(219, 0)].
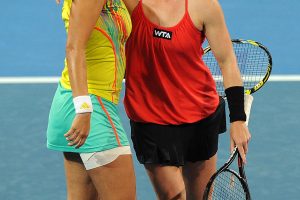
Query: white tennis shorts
[(98, 159)]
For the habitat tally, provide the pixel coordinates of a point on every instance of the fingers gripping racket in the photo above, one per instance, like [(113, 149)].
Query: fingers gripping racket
[(255, 65)]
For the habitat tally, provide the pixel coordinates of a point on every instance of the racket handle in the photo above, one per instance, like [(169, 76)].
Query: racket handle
[(248, 102)]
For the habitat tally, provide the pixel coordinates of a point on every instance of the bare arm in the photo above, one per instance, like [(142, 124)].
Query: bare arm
[(83, 17), (218, 37)]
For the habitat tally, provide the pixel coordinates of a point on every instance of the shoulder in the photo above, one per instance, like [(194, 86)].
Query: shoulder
[(204, 9)]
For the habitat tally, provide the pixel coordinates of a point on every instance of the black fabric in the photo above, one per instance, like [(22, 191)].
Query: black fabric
[(175, 145), (71, 156), (235, 99)]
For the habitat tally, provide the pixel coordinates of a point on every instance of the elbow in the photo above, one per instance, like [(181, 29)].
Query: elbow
[(75, 56), (74, 48), (228, 63), (70, 49), (74, 53)]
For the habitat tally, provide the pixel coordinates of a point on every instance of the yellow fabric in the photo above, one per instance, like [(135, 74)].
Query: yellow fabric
[(105, 52)]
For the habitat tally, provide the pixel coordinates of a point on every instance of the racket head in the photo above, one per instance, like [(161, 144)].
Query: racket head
[(227, 183), (254, 61)]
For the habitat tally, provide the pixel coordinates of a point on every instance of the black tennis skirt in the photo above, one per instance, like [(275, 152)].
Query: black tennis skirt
[(174, 145)]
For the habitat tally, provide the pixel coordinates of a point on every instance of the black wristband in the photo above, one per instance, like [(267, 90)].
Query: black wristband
[(235, 99)]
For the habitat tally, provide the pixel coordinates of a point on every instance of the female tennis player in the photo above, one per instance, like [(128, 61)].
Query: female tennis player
[(83, 120), (171, 98)]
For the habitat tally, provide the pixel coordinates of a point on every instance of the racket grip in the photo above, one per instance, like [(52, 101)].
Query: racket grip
[(248, 99)]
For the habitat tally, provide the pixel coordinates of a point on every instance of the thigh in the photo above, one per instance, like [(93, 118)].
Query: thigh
[(167, 181), (79, 184), (115, 180), (196, 176)]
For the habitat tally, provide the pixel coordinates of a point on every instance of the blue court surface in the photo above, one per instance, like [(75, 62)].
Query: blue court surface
[(29, 171)]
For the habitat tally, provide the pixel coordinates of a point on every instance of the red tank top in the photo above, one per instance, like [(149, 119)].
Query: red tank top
[(167, 81)]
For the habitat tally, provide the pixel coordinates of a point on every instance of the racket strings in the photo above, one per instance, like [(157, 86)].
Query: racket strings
[(226, 186), (252, 60)]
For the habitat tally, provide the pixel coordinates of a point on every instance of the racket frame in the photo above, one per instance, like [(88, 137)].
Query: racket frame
[(269, 67), (241, 177)]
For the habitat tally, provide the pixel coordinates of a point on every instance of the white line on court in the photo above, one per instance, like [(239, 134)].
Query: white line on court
[(29, 80), (55, 79), (284, 77)]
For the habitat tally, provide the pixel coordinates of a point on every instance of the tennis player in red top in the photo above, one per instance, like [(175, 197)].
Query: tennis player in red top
[(171, 99)]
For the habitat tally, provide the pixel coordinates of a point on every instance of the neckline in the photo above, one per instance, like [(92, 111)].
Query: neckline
[(159, 26)]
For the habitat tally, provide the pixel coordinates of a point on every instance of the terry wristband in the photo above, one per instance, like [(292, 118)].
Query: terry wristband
[(235, 99), (83, 104)]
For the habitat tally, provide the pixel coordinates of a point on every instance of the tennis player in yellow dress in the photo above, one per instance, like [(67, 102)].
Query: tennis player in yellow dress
[(84, 122)]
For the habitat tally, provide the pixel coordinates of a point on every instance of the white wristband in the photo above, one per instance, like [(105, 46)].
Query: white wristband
[(83, 104)]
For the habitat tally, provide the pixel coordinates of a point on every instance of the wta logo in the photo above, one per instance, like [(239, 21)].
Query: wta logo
[(162, 34)]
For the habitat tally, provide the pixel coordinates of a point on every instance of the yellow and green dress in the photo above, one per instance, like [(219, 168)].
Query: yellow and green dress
[(105, 59)]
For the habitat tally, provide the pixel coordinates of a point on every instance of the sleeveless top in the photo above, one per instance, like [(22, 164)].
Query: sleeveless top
[(167, 81), (105, 51)]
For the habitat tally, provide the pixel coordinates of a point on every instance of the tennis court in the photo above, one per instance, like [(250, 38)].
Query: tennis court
[(28, 171)]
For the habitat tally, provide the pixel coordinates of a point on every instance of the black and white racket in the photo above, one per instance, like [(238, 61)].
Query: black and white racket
[(255, 64)]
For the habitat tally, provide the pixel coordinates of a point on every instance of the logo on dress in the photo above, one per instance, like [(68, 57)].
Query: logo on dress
[(162, 34)]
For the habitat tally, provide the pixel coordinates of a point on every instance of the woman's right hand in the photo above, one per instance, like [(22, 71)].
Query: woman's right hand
[(83, 17), (79, 130), (240, 137)]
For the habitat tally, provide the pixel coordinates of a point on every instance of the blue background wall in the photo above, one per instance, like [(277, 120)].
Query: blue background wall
[(32, 33)]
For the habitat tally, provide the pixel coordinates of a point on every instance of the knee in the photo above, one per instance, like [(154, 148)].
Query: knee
[(172, 195), (85, 190)]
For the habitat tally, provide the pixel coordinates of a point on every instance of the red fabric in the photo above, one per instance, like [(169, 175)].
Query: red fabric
[(166, 80)]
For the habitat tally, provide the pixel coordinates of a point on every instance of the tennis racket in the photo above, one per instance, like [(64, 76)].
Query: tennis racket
[(255, 64)]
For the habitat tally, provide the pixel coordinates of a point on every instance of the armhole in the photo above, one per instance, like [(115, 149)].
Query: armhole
[(135, 10), (191, 20)]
